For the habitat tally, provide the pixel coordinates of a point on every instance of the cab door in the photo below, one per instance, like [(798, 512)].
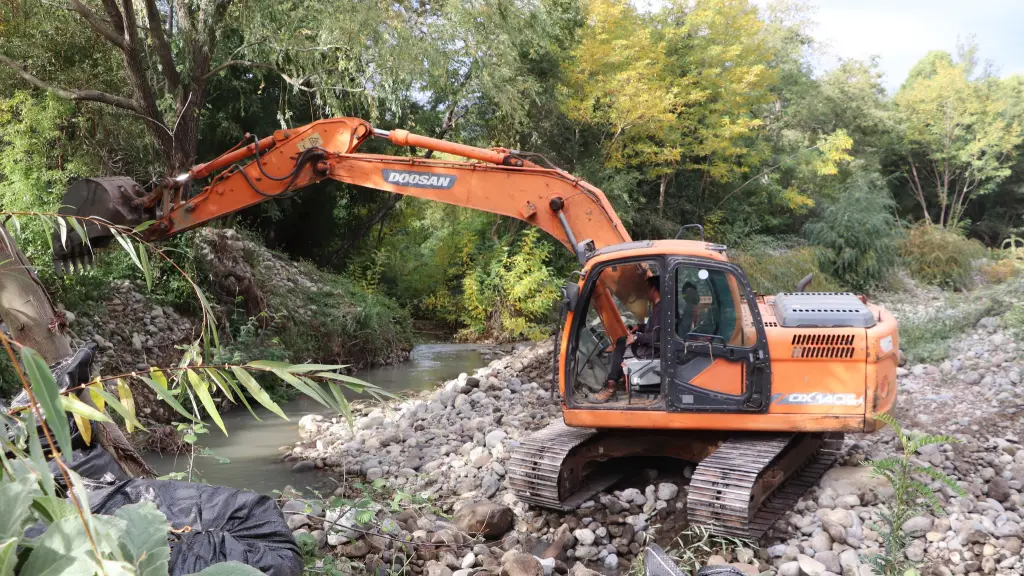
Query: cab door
[(716, 350)]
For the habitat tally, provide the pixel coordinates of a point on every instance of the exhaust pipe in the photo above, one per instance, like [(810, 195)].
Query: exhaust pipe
[(115, 200)]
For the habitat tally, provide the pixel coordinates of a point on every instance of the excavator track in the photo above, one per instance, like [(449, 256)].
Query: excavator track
[(750, 481), (541, 470)]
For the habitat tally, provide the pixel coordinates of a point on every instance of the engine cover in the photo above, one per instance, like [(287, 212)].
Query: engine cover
[(822, 310)]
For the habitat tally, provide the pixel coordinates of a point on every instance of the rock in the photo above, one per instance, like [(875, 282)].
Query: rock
[(484, 518), (479, 457), (548, 565), (435, 568), (584, 536), (999, 489), (296, 521), (579, 569), (821, 542), (356, 549), (611, 561), (855, 480), (667, 491), (849, 562), (831, 561), (918, 526), (304, 466), (633, 495), (320, 537), (809, 566), (970, 377), (915, 551), (520, 564), (791, 568), (494, 438)]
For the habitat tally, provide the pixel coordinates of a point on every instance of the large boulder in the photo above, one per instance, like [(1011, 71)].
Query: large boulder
[(520, 564), (857, 480), (485, 519)]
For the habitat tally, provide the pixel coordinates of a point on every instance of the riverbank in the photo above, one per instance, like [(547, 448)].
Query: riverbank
[(452, 445)]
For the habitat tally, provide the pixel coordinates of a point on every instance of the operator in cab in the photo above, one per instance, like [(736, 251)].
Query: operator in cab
[(644, 341)]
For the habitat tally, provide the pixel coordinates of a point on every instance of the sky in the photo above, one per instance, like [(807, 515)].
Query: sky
[(900, 32)]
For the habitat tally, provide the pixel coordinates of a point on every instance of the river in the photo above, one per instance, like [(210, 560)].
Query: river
[(252, 447)]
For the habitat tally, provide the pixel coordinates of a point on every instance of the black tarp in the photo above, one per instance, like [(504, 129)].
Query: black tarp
[(224, 524)]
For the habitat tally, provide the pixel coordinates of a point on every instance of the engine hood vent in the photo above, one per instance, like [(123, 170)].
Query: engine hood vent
[(822, 310)]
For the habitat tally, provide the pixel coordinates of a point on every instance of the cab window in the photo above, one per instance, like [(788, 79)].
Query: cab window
[(710, 307)]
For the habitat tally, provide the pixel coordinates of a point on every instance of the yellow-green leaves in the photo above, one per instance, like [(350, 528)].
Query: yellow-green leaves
[(202, 390), (834, 151), (257, 391)]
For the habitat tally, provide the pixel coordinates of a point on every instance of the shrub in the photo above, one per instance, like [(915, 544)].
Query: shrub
[(940, 256), (857, 234), (774, 271), (513, 295)]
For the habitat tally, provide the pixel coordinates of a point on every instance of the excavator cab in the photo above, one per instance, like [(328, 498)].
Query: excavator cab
[(705, 352)]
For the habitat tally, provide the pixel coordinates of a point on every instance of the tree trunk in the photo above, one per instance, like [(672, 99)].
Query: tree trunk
[(661, 195), (33, 322)]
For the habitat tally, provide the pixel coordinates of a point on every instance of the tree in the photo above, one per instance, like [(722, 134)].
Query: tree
[(955, 136), (617, 79)]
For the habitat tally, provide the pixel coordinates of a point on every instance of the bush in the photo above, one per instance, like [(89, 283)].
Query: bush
[(940, 256), (857, 234), (774, 271), (513, 295)]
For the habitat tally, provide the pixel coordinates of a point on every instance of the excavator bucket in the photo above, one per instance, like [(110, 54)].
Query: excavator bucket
[(114, 201)]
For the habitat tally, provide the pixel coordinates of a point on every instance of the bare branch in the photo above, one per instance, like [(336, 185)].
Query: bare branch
[(98, 25), (163, 49), (78, 95)]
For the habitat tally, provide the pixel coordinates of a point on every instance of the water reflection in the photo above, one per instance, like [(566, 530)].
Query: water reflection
[(253, 446)]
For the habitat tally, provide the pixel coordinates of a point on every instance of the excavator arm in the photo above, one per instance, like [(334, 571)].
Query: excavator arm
[(492, 180)]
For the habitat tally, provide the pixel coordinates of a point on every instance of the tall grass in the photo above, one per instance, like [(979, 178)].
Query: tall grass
[(940, 256)]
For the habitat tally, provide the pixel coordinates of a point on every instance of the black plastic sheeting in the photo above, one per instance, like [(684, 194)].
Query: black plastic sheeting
[(225, 524), (95, 465)]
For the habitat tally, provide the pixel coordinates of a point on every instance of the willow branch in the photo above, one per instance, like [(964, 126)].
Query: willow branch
[(163, 49), (97, 24), (77, 95)]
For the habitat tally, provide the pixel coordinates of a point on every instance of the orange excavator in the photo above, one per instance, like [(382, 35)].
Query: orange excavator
[(756, 391)]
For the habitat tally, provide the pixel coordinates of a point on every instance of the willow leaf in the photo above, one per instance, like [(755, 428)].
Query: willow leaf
[(44, 387), (166, 396), (256, 391), (202, 390)]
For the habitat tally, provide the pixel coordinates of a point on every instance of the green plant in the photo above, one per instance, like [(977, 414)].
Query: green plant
[(912, 494), (857, 233), (512, 296), (774, 271), (940, 256), (692, 547)]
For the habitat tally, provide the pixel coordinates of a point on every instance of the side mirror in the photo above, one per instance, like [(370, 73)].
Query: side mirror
[(570, 296)]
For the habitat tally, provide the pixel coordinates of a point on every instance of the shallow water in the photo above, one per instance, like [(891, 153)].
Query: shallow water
[(253, 446)]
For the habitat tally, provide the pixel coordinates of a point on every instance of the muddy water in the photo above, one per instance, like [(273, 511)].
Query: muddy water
[(252, 447)]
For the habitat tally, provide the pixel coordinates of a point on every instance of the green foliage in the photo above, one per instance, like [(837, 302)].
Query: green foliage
[(940, 256), (771, 271), (857, 234), (914, 490), (956, 133), (514, 296)]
